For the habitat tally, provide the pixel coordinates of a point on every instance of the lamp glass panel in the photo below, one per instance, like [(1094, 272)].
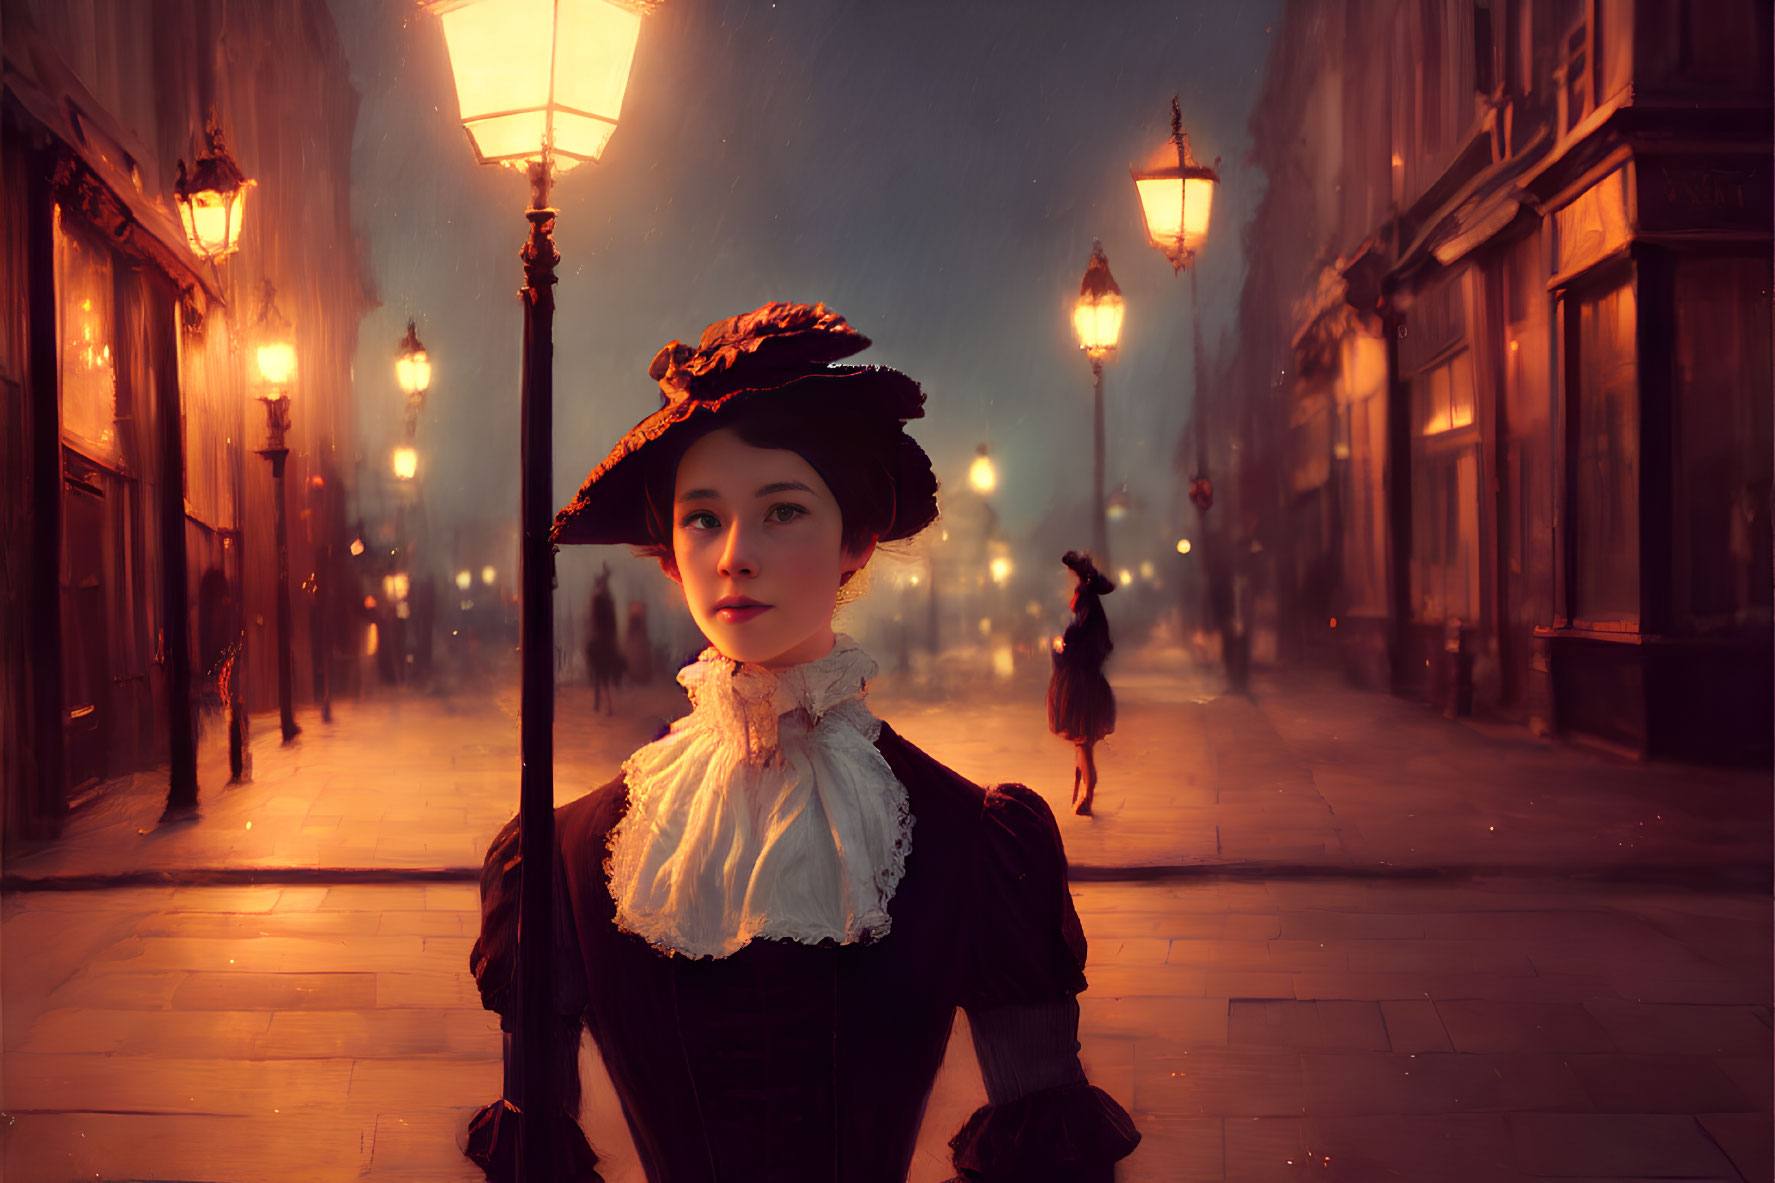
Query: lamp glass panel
[(981, 475), (1198, 203), (594, 48), (577, 137), (499, 52), (1098, 323), (509, 137), (413, 371), (1161, 200), (236, 208), (277, 362), (208, 223)]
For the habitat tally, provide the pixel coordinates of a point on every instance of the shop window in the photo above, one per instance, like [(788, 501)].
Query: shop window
[(1365, 578), (1445, 534), (1721, 447), (85, 329), (1605, 459), (1442, 397)]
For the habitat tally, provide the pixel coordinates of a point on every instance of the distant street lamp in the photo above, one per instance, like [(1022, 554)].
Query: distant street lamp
[(412, 369), (406, 463), (1097, 319), (1176, 197), (464, 580), (212, 199), (277, 370), (981, 474), (1119, 504), (539, 91)]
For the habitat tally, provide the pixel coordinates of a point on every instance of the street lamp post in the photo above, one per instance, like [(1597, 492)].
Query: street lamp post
[(211, 200), (1176, 198), (1097, 319), (539, 93), (277, 367)]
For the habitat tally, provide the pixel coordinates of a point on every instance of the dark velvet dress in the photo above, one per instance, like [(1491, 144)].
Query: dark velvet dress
[(1081, 704), (794, 1063)]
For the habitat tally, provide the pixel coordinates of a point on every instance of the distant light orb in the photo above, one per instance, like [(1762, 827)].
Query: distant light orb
[(464, 579), (1183, 546), (1126, 577), (981, 474), (488, 575), (1001, 570)]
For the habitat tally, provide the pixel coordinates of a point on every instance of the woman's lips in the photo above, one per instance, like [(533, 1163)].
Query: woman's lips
[(739, 614)]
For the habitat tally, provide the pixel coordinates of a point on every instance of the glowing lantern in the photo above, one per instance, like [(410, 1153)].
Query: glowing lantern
[(536, 75), (981, 474), (277, 363), (1176, 195), (277, 347), (406, 463), (413, 368), (1097, 316), (212, 199)]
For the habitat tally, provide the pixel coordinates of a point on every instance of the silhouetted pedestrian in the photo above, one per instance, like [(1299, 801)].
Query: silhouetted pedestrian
[(1081, 706)]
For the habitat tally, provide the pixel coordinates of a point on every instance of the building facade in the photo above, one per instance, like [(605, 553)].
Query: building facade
[(1506, 349), (137, 523)]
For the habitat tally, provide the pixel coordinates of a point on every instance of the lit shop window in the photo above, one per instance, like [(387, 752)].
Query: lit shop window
[(85, 335), (1442, 397)]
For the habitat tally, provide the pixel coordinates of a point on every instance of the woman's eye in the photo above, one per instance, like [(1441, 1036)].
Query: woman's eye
[(702, 519), (785, 512)]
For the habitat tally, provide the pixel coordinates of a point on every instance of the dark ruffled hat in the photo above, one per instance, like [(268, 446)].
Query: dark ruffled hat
[(781, 351), (1085, 567)]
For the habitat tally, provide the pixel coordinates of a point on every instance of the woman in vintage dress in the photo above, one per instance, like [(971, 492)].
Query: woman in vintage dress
[(768, 919), (1081, 706)]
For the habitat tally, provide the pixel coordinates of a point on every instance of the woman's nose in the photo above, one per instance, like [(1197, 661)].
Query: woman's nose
[(737, 555)]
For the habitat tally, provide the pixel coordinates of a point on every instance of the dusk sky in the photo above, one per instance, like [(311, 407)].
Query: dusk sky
[(934, 172)]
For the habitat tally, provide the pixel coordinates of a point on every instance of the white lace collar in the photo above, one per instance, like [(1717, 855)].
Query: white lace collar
[(766, 812)]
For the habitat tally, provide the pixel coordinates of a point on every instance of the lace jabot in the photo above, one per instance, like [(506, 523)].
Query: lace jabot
[(765, 812)]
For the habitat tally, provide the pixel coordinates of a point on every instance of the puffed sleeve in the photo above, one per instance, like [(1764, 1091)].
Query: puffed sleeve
[(493, 1132), (1044, 1122)]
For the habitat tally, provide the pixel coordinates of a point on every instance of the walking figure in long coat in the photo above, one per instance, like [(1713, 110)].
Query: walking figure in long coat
[(1081, 706), (603, 658)]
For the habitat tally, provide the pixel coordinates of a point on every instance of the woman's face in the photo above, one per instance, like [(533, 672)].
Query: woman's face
[(757, 546)]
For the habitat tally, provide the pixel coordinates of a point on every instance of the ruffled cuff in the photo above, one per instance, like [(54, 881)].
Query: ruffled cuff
[(1071, 1134), (493, 1146)]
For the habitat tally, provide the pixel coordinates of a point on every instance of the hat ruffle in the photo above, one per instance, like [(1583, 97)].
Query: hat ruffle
[(770, 346)]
